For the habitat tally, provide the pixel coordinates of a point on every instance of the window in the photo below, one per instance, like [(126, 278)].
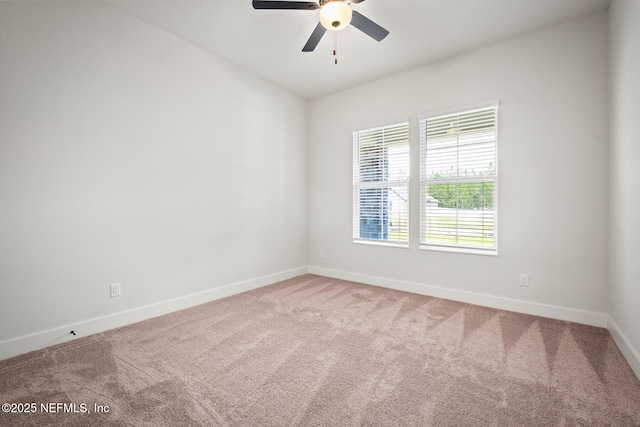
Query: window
[(381, 185), (459, 180)]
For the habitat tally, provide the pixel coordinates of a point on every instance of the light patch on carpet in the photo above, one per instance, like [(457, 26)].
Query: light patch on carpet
[(483, 346), (527, 360)]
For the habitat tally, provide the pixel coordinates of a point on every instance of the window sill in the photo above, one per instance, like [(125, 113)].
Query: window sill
[(381, 243), (468, 251)]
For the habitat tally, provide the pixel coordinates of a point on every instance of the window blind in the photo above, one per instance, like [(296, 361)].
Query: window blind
[(458, 180), (381, 184)]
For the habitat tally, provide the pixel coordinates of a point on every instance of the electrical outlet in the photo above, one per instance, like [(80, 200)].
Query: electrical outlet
[(115, 289), (321, 254), (524, 280)]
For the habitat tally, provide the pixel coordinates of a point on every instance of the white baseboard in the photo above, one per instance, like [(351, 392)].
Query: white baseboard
[(39, 340), (42, 339), (625, 346), (536, 309)]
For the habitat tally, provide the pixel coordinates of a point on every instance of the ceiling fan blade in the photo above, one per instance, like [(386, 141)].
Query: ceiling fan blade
[(302, 5), (368, 27), (357, 1), (315, 38)]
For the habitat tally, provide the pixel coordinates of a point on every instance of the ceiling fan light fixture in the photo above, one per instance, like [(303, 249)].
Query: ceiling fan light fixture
[(335, 15)]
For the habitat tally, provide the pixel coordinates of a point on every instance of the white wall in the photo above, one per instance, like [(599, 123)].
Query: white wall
[(624, 55), (128, 155), (553, 185)]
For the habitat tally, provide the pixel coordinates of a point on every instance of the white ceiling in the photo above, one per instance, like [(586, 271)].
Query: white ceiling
[(269, 43)]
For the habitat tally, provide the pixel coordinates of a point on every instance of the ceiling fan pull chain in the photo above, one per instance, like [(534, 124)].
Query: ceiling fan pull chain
[(335, 47)]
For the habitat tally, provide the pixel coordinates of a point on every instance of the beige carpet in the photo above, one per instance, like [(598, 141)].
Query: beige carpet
[(313, 351)]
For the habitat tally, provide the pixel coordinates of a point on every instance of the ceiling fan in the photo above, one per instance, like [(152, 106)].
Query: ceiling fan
[(334, 15)]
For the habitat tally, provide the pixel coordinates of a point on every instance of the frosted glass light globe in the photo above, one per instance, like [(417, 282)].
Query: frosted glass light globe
[(335, 15)]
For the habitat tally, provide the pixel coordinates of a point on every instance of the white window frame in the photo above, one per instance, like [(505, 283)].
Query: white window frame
[(399, 181), (427, 212)]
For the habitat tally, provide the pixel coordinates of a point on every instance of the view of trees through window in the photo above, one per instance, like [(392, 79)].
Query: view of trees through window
[(463, 195)]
